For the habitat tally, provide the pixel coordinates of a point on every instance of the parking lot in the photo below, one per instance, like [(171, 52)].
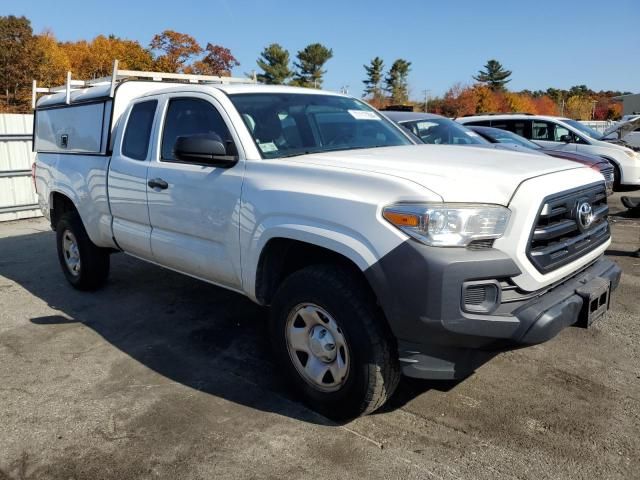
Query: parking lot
[(159, 375)]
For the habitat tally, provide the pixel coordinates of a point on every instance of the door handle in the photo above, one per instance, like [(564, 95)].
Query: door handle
[(158, 183)]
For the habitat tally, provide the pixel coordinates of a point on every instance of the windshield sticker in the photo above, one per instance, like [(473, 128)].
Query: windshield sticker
[(363, 115), (268, 147), (472, 134)]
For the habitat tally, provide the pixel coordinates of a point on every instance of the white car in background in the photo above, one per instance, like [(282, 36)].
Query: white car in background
[(569, 135), (625, 132)]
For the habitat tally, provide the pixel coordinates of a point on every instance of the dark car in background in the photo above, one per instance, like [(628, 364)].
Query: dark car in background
[(505, 137), (435, 129)]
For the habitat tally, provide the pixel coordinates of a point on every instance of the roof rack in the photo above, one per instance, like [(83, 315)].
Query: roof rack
[(118, 76)]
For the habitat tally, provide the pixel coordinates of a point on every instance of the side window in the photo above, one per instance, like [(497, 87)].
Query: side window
[(191, 116), (478, 123), (135, 143), (519, 127), (559, 132), (543, 131)]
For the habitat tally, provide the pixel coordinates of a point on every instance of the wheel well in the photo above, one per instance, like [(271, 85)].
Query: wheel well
[(60, 204), (615, 165), (282, 257)]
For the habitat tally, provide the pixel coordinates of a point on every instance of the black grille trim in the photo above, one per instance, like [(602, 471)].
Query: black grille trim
[(556, 238)]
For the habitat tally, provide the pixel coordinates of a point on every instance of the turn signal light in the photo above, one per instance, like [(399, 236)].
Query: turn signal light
[(402, 219)]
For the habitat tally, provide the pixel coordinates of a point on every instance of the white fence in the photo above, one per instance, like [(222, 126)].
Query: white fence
[(598, 125), (17, 196)]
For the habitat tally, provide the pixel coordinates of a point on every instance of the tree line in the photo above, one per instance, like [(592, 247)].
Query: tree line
[(25, 56), (489, 94)]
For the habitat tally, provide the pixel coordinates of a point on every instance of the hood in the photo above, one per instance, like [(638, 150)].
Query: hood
[(583, 158), (457, 174), (622, 128)]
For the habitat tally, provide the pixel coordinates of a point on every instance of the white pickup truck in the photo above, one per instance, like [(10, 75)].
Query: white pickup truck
[(377, 256)]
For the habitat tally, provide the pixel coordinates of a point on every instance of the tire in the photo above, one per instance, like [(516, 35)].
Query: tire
[(362, 340), (91, 269)]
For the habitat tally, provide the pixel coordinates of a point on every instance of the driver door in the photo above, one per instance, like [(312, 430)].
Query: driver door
[(193, 208)]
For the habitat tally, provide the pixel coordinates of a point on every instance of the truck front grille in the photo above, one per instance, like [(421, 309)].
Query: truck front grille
[(569, 225)]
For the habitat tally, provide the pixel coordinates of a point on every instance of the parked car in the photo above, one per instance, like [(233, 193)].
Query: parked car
[(627, 133), (505, 137), (435, 129), (375, 254), (627, 118), (567, 135)]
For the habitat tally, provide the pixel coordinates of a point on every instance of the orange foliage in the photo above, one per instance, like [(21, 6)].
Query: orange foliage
[(487, 100), (177, 49), (545, 106), (95, 59), (518, 102)]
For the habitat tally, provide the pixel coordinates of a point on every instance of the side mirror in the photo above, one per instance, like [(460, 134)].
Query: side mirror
[(566, 138), (203, 149)]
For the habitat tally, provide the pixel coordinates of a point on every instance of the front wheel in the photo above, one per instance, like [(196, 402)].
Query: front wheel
[(85, 265), (333, 342)]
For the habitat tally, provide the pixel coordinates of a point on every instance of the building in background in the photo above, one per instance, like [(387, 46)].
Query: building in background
[(630, 103)]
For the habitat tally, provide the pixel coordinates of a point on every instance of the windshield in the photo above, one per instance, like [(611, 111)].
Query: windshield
[(584, 129), (443, 131), (289, 124), (504, 136)]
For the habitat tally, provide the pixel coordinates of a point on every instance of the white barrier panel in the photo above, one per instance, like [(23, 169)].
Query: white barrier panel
[(17, 196)]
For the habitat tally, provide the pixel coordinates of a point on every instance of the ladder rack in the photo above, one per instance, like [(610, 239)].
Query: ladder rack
[(118, 76)]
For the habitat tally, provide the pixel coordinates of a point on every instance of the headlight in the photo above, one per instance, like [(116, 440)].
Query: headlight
[(448, 225)]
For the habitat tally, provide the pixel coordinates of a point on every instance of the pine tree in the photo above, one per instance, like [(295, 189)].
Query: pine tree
[(274, 61), (396, 81), (309, 65), (494, 75), (373, 82)]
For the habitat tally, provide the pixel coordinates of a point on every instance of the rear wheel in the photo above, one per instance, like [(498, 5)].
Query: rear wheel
[(85, 265), (333, 342)]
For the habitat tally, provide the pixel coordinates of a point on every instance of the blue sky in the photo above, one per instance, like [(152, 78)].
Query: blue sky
[(545, 43)]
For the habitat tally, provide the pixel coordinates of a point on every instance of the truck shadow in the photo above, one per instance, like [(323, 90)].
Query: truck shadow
[(196, 334)]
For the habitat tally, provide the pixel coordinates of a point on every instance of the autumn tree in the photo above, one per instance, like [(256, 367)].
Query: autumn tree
[(578, 107), (218, 60), (50, 62), (494, 75), (16, 47), (459, 101), (309, 66), (487, 101), (373, 83), (396, 81), (176, 48), (544, 105), (274, 62), (517, 102), (94, 59)]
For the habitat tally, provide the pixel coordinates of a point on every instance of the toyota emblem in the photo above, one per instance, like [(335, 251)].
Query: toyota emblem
[(585, 215)]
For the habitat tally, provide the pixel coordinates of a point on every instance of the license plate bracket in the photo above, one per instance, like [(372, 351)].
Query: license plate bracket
[(595, 296)]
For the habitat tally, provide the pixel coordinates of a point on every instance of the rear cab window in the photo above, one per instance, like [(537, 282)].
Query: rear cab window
[(135, 144)]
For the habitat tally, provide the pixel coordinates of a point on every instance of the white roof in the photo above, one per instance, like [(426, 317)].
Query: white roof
[(103, 91), (512, 116)]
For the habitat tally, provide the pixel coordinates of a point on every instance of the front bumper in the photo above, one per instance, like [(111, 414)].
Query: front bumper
[(420, 291)]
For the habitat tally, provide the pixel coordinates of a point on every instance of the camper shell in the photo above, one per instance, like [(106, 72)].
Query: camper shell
[(81, 116)]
